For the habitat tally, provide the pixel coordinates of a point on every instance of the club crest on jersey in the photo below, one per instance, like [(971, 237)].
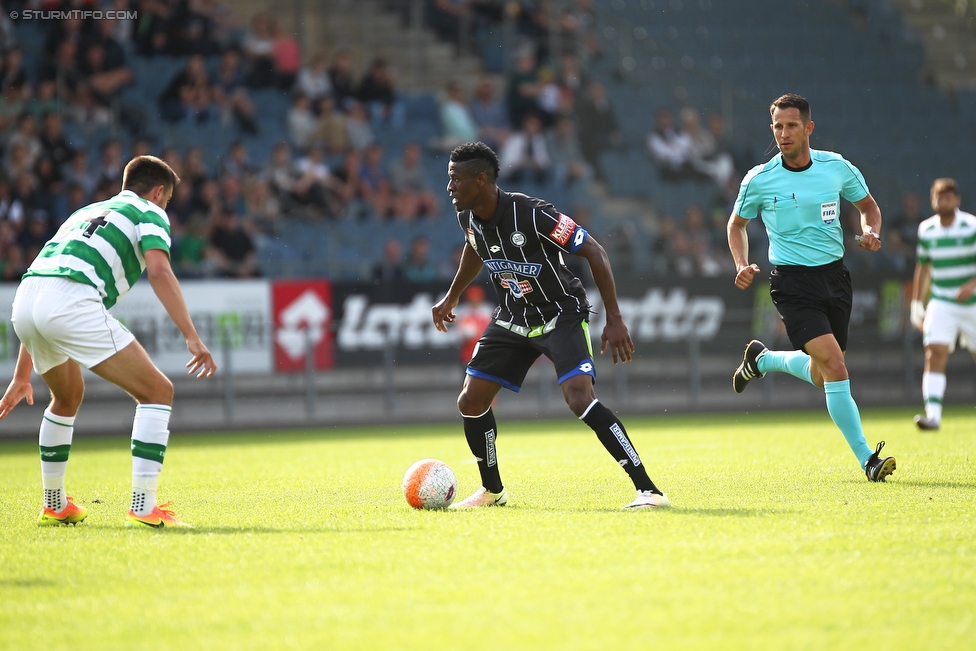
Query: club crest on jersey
[(518, 288), (518, 239), (471, 240), (828, 212), (564, 229)]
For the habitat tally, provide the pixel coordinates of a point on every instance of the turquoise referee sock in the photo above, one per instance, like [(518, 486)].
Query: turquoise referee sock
[(794, 362), (843, 411)]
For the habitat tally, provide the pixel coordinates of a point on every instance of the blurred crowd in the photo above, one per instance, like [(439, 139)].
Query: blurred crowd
[(549, 119)]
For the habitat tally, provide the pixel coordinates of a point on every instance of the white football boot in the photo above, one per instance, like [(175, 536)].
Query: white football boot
[(482, 497), (648, 499)]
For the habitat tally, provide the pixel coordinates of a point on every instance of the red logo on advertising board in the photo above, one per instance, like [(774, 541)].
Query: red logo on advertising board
[(302, 317)]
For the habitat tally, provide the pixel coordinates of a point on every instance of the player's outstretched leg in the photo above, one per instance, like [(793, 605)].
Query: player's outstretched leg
[(757, 360), (480, 432), (54, 438), (614, 438)]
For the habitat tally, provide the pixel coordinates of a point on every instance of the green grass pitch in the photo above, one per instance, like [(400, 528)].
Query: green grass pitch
[(304, 541)]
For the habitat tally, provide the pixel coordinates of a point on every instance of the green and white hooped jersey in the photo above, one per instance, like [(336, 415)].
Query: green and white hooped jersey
[(102, 245), (951, 250), (801, 208)]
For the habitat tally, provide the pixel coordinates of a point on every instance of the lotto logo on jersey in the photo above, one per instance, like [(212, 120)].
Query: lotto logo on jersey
[(564, 229)]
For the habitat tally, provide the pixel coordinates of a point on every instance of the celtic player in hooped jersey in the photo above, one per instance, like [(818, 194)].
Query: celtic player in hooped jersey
[(60, 315), (798, 194), (542, 310), (946, 273)]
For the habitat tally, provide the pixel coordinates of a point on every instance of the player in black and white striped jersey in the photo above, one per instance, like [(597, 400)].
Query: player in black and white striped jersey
[(542, 310)]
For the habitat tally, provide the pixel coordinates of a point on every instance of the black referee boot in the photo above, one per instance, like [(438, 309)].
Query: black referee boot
[(749, 368)]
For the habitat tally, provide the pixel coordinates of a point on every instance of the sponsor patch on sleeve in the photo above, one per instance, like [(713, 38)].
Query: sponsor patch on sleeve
[(563, 230)]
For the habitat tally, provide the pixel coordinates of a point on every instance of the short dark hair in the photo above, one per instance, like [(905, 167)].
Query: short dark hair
[(945, 185), (481, 156), (143, 173), (792, 100)]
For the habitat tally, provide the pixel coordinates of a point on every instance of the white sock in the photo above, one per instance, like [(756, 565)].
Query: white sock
[(54, 441), (933, 391), (150, 434)]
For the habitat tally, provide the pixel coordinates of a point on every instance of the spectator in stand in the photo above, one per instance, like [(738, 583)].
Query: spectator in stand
[(490, 115), (85, 110), (188, 94), (230, 94), (49, 178), (287, 57), (389, 269), (457, 123), (151, 31), (12, 263), (181, 208), (341, 78), (17, 160), (350, 187), (78, 173), (280, 174), (570, 168), (24, 200), (671, 149), (708, 262), (12, 106), (111, 163), (53, 142), (263, 211), (548, 99), (314, 185), (331, 132), (63, 69), (258, 47), (237, 162), (189, 252), (358, 128), (106, 79), (26, 134), (705, 156), (413, 196), (377, 92), (524, 156), (523, 87), (36, 233), (172, 157), (597, 124), (908, 218), (232, 195), (313, 79), (375, 186), (570, 77), (301, 122), (76, 198), (45, 100), (12, 73), (195, 170), (418, 267), (231, 251)]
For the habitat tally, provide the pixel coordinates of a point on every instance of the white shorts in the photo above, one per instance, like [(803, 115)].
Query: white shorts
[(58, 319), (945, 322)]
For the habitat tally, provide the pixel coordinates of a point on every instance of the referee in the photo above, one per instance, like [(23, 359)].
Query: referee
[(542, 311), (797, 193)]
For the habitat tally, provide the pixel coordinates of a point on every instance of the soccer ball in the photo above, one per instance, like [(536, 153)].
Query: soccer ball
[(429, 484)]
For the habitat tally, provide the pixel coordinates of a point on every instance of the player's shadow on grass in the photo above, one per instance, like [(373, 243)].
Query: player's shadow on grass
[(230, 530), (27, 583), (934, 484)]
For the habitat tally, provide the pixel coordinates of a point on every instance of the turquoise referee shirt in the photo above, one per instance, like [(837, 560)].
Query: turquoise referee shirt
[(801, 208)]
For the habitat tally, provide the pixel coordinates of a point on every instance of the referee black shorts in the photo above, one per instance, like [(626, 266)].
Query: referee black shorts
[(505, 354), (813, 301)]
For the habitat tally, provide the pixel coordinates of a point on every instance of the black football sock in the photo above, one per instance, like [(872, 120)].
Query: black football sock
[(614, 437), (480, 433)]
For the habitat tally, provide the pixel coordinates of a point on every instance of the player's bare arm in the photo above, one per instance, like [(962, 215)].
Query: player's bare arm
[(468, 269), (615, 333), (20, 386), (167, 289), (920, 290), (739, 246), (870, 239)]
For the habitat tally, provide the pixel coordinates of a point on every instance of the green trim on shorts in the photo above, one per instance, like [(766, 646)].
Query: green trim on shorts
[(586, 333)]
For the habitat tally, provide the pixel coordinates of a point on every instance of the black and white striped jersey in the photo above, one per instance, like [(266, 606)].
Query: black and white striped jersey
[(523, 247)]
